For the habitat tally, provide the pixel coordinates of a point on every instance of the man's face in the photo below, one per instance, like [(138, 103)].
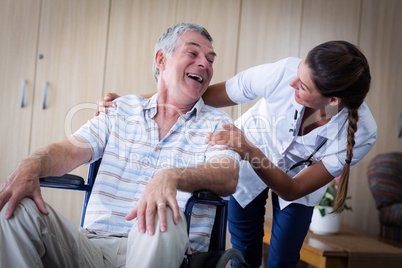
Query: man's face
[(188, 71)]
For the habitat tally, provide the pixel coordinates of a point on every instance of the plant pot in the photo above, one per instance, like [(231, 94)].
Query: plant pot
[(327, 225)]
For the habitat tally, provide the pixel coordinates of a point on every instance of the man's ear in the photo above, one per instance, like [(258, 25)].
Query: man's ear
[(333, 101), (160, 59)]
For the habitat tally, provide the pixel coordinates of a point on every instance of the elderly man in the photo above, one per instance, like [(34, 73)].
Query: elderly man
[(153, 156)]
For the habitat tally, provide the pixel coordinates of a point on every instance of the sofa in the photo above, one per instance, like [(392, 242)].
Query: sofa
[(385, 181)]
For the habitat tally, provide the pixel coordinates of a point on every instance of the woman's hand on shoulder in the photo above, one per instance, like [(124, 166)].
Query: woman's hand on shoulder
[(106, 101), (233, 139)]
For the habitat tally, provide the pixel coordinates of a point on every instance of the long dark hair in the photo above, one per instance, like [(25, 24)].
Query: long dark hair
[(339, 69)]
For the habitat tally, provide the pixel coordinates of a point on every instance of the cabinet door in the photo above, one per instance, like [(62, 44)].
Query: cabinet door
[(135, 26), (269, 31), (221, 20), (19, 22), (381, 41), (72, 45), (321, 22), (71, 49)]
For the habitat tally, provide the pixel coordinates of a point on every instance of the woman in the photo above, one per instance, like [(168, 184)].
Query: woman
[(310, 111)]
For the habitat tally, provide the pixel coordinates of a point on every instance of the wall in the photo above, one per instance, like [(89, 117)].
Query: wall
[(380, 37)]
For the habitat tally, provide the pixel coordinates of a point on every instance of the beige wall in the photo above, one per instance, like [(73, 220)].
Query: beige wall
[(380, 37), (251, 32)]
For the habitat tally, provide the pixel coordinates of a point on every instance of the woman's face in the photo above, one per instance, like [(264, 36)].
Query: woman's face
[(305, 92)]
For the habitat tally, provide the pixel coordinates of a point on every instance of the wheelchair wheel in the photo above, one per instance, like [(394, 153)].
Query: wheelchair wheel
[(232, 258)]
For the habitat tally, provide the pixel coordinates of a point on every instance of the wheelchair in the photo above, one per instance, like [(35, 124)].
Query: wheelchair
[(217, 255)]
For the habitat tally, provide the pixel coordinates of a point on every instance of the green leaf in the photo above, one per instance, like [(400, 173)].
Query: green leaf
[(347, 207), (322, 211)]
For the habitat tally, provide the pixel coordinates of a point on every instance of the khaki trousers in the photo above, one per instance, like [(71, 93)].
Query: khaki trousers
[(31, 239)]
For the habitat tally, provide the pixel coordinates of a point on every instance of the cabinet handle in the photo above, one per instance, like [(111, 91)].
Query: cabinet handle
[(24, 83), (44, 96)]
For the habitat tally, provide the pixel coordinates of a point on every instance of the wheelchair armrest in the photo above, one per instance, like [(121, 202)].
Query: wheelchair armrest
[(67, 181), (206, 195)]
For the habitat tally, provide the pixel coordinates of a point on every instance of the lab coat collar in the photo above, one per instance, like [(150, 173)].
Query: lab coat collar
[(330, 130)]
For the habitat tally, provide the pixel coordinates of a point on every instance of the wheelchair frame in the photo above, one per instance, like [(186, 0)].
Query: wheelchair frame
[(218, 237)]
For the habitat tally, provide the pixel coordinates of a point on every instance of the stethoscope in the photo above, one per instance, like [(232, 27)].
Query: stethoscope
[(308, 161)]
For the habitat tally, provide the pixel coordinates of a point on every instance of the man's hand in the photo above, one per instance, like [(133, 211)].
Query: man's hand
[(23, 182), (160, 192)]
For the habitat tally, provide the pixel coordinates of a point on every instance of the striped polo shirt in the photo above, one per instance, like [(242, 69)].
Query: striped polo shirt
[(127, 139)]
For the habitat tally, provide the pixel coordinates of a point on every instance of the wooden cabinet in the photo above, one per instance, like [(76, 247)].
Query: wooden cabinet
[(19, 20), (331, 26), (72, 40), (69, 51), (221, 19), (269, 31), (381, 40), (135, 26), (71, 62), (59, 48)]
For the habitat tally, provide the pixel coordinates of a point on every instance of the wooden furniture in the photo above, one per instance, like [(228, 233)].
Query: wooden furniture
[(52, 61), (18, 26), (136, 25), (351, 247), (65, 54)]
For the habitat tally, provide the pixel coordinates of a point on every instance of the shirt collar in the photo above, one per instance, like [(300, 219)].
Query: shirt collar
[(330, 130), (197, 108), (152, 105), (334, 126)]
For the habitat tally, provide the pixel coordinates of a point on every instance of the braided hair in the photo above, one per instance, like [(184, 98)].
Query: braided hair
[(339, 69)]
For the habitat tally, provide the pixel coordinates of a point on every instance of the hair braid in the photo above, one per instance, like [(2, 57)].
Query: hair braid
[(340, 200), (339, 69)]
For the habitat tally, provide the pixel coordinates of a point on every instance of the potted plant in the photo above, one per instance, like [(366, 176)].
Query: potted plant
[(323, 221)]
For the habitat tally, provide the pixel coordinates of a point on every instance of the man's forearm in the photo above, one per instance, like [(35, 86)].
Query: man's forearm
[(57, 159), (219, 175), (54, 159)]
